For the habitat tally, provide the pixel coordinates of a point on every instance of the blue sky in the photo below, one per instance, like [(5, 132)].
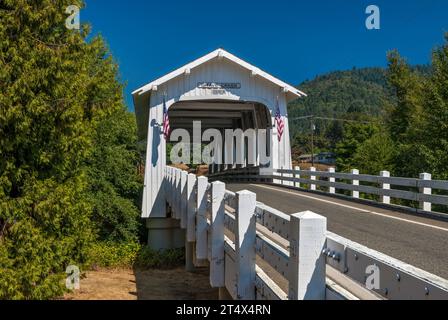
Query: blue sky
[(293, 40)]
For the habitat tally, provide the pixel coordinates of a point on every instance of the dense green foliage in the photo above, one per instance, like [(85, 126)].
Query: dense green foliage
[(418, 122), (56, 88), (132, 254), (342, 92), (355, 134), (108, 254), (358, 94), (402, 125), (114, 183)]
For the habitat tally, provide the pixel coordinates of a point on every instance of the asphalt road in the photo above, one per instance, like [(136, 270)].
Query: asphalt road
[(416, 240)]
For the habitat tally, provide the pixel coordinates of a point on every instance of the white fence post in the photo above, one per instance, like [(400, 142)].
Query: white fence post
[(217, 235), (191, 207), (425, 206), (177, 196), (385, 186), (187, 215), (166, 183), (245, 233), (331, 180), (355, 194), (312, 185), (297, 176), (307, 262), (174, 192), (290, 183), (201, 220), (183, 199), (171, 188)]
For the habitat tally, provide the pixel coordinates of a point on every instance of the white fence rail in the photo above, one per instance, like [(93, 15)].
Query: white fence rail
[(423, 190), (253, 249)]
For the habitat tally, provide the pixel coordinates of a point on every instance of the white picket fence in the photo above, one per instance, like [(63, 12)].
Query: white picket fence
[(228, 231)]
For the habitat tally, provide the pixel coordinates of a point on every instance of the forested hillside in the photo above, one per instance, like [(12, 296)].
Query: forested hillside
[(358, 94), (394, 119)]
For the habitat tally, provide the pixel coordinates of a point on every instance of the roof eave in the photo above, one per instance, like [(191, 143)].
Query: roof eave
[(214, 54)]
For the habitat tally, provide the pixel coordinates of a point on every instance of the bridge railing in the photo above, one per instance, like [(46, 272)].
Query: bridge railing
[(258, 252), (423, 190)]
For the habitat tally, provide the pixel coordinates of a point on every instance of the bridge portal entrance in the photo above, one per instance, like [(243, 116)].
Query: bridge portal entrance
[(221, 92)]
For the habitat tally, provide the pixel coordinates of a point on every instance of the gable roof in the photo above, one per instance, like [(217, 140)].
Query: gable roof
[(221, 53)]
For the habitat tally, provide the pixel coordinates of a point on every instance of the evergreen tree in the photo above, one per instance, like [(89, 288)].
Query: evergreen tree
[(355, 134), (404, 115), (114, 182), (436, 113), (54, 88), (375, 154)]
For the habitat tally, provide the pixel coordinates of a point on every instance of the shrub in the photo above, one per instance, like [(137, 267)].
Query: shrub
[(133, 254), (113, 255), (148, 258)]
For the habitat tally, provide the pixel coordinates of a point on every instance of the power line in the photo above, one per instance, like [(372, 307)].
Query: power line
[(313, 127), (331, 119)]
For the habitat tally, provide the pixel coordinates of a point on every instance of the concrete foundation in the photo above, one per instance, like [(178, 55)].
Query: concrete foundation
[(165, 233)]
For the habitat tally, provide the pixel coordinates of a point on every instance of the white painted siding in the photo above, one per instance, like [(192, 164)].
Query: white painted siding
[(185, 88)]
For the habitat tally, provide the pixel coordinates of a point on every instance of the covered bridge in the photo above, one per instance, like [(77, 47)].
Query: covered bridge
[(223, 92)]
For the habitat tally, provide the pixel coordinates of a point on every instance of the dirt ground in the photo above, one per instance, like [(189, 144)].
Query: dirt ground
[(128, 284)]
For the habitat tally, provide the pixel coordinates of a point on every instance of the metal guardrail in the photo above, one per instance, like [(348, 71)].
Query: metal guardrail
[(231, 229)]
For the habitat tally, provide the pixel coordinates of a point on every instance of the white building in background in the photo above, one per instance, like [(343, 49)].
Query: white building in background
[(223, 92)]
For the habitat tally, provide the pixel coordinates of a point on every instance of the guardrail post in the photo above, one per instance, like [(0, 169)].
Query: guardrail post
[(289, 182), (217, 235), (189, 202), (245, 233), (169, 191), (297, 176), (331, 180), (312, 185), (177, 196), (166, 184), (425, 206), (183, 199), (355, 193), (385, 186), (201, 220), (307, 263), (173, 193), (277, 181), (191, 207)]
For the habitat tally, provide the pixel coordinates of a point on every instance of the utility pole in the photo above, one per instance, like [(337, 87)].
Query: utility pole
[(313, 127)]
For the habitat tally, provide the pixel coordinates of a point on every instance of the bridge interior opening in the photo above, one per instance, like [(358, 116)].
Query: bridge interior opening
[(221, 115)]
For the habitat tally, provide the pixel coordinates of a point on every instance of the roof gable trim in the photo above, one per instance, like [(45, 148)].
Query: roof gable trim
[(218, 53)]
